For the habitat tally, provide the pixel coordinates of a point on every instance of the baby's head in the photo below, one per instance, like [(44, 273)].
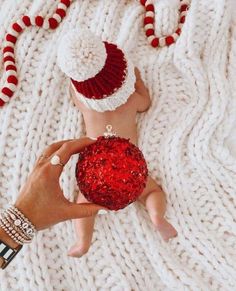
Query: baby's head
[(101, 75)]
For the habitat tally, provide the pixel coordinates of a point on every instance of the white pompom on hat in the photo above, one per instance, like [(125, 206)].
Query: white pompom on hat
[(101, 74), (81, 55)]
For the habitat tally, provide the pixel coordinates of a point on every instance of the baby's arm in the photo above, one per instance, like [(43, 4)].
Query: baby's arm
[(143, 97)]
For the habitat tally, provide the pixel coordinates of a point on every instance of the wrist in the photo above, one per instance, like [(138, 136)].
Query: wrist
[(27, 210)]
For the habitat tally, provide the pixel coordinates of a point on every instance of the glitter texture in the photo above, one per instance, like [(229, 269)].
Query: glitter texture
[(111, 172)]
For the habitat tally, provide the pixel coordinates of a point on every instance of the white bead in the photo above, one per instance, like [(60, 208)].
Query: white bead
[(32, 20), (150, 14), (151, 38), (62, 6), (9, 43), (25, 225), (11, 86), (21, 23), (17, 222), (183, 13), (8, 63), (57, 17), (184, 2), (12, 216), (11, 73), (9, 54), (175, 36), (46, 24), (148, 2), (162, 41), (180, 25), (13, 32), (29, 231), (148, 26)]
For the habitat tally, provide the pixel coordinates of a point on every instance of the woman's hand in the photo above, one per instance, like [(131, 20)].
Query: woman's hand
[(41, 199)]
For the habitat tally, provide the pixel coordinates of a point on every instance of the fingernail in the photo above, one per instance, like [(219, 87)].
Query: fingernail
[(92, 138), (102, 211)]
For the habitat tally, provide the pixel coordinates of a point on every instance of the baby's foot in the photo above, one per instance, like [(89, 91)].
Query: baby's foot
[(166, 230), (78, 250)]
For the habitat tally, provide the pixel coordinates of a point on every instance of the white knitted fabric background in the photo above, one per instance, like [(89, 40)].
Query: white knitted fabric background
[(185, 136)]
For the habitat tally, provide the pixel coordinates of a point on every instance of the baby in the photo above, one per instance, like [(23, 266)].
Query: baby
[(119, 111)]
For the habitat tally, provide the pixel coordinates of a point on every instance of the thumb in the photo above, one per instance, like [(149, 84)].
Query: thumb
[(80, 210)]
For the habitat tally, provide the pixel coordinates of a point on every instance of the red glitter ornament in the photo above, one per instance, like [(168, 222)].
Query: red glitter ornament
[(111, 172)]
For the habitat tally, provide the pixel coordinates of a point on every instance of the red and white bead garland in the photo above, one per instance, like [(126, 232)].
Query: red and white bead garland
[(149, 21), (11, 37)]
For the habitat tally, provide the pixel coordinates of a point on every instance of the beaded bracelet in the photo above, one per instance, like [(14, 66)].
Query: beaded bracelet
[(15, 236), (18, 217), (17, 226)]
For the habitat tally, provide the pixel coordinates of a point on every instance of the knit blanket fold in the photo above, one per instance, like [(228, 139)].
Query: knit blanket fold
[(187, 137)]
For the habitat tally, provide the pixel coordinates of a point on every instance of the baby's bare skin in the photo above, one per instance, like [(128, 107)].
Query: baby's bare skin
[(123, 121)]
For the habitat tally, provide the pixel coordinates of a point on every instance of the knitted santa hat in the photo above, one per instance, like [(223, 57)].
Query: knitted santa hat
[(102, 75)]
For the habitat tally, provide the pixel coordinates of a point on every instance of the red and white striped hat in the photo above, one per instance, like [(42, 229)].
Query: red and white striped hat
[(102, 75)]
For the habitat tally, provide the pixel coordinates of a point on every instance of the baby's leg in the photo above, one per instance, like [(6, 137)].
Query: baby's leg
[(84, 232), (154, 199)]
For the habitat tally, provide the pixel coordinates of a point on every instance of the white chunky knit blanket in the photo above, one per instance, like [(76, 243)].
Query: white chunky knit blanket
[(186, 137)]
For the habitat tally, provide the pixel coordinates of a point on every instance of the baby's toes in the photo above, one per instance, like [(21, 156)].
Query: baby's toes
[(78, 250)]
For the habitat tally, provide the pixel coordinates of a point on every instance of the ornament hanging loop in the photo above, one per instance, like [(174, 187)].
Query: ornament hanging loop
[(109, 133)]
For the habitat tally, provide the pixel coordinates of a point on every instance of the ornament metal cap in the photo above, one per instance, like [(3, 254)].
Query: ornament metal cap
[(109, 132)]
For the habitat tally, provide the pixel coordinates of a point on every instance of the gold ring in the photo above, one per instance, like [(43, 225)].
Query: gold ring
[(43, 157)]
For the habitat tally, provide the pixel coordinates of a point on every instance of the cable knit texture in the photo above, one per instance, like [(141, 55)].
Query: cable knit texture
[(185, 137)]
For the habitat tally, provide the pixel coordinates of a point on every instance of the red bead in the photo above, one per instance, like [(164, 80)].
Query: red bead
[(143, 2), (53, 23), (66, 2), (148, 20), (9, 58), (169, 40), (8, 49), (7, 92), (149, 32), (11, 67), (178, 31), (182, 19), (26, 20), (17, 27), (61, 12), (111, 172), (12, 79), (150, 7), (183, 7), (39, 21), (155, 42), (11, 38), (2, 102)]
